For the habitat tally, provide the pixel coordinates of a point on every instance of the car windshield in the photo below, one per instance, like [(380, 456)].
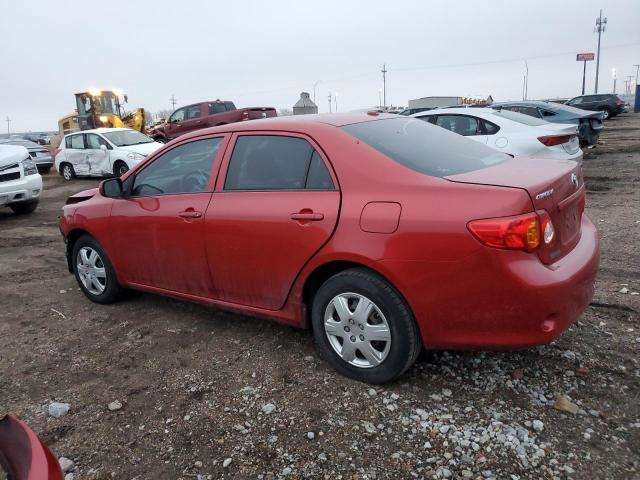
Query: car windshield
[(124, 138), (519, 117), (425, 148)]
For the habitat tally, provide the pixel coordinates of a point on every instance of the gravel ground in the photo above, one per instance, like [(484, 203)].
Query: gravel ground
[(160, 389)]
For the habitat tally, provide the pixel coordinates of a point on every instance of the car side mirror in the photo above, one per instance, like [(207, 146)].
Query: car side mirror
[(103, 148), (111, 188)]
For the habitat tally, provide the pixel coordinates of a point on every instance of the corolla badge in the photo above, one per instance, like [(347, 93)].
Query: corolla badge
[(546, 194), (574, 180)]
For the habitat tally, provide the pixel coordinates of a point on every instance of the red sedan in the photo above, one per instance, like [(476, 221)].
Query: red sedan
[(383, 234)]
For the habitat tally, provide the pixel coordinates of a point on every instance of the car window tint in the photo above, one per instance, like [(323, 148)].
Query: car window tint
[(268, 162), (460, 124), (94, 141), (77, 141), (217, 107), (319, 177), (229, 106), (423, 147), (183, 169), (547, 113), (490, 128), (193, 112), (178, 115)]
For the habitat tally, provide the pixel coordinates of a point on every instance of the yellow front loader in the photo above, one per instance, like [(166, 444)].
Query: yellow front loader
[(101, 108)]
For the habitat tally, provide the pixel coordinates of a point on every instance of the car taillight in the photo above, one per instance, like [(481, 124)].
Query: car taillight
[(521, 232), (619, 102), (551, 140), (245, 115)]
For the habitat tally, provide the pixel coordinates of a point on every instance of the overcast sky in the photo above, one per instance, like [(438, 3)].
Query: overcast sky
[(264, 53)]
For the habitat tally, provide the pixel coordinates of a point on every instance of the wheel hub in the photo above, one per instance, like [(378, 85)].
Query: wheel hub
[(357, 330), (91, 270)]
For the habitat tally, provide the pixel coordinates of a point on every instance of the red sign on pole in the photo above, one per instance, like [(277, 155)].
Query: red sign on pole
[(584, 57)]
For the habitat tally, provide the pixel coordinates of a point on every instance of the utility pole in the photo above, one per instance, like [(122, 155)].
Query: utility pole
[(637, 68), (601, 26), (614, 74), (173, 101), (384, 84), (379, 97), (8, 120), (335, 97), (628, 84), (329, 102), (314, 90), (525, 82)]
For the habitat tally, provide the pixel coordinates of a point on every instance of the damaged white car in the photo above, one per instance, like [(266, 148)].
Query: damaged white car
[(20, 182), (102, 152)]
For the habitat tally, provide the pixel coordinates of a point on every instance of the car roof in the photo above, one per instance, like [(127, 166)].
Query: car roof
[(295, 123), (101, 130)]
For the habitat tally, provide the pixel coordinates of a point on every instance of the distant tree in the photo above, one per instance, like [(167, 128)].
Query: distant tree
[(283, 112), (166, 113)]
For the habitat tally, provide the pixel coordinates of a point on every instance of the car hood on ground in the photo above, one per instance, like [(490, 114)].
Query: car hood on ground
[(142, 148), (10, 154)]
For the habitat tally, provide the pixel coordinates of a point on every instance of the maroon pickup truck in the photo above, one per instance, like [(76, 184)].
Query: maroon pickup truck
[(206, 114)]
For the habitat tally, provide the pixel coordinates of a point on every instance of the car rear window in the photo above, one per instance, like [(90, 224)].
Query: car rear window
[(425, 148), (519, 117)]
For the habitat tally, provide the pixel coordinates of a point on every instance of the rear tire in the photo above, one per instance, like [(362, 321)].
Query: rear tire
[(94, 272), (24, 208), (376, 346), (67, 172), (606, 114), (160, 140)]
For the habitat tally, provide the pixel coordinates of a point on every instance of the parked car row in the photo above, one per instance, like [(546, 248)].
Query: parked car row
[(20, 182), (509, 132), (365, 227), (40, 155)]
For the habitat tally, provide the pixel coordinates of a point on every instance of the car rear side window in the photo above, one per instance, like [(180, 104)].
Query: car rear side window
[(216, 107), (460, 124), (183, 169), (273, 162), (75, 141), (489, 128), (425, 148), (193, 112)]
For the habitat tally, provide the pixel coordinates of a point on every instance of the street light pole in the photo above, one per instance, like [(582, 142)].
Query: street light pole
[(384, 84), (8, 120), (601, 26), (335, 96), (637, 68), (314, 90), (329, 102), (615, 77), (379, 97)]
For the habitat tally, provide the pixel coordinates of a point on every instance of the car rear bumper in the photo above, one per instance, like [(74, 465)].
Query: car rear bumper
[(22, 190), (509, 301)]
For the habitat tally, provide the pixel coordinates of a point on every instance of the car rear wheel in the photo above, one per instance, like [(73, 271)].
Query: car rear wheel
[(94, 272), (120, 168), (364, 328), (606, 113), (68, 173), (23, 208)]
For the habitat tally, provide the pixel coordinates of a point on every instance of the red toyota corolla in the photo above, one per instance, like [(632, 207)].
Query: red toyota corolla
[(383, 234)]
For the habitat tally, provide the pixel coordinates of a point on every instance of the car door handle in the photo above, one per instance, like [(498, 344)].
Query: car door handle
[(312, 217), (190, 213)]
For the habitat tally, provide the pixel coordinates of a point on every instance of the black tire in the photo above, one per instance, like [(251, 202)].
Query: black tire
[(405, 345), (67, 171), (23, 208), (160, 140), (112, 289), (120, 168)]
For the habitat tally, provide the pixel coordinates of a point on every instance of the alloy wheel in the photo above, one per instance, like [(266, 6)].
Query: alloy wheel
[(66, 172), (357, 330), (91, 270)]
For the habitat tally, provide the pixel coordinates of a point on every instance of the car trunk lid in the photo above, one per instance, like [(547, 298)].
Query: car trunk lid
[(555, 186)]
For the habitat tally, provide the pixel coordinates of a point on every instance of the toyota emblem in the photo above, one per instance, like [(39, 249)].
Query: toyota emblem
[(574, 180)]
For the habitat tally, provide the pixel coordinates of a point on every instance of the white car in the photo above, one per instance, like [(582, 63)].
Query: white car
[(20, 182), (509, 132), (102, 152)]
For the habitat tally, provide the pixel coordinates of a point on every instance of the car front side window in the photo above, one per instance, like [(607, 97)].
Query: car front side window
[(177, 116), (183, 169), (77, 142), (95, 141)]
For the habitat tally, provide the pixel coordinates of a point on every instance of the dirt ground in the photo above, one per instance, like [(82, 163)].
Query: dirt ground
[(209, 394)]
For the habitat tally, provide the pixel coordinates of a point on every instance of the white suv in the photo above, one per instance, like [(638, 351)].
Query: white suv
[(102, 152), (20, 182)]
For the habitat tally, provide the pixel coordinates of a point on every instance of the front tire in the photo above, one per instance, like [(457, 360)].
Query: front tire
[(120, 168), (24, 208), (94, 272), (364, 328), (67, 172)]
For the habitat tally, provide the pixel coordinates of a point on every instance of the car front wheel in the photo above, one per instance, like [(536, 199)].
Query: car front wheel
[(23, 208), (68, 173), (364, 328), (94, 272), (120, 168)]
